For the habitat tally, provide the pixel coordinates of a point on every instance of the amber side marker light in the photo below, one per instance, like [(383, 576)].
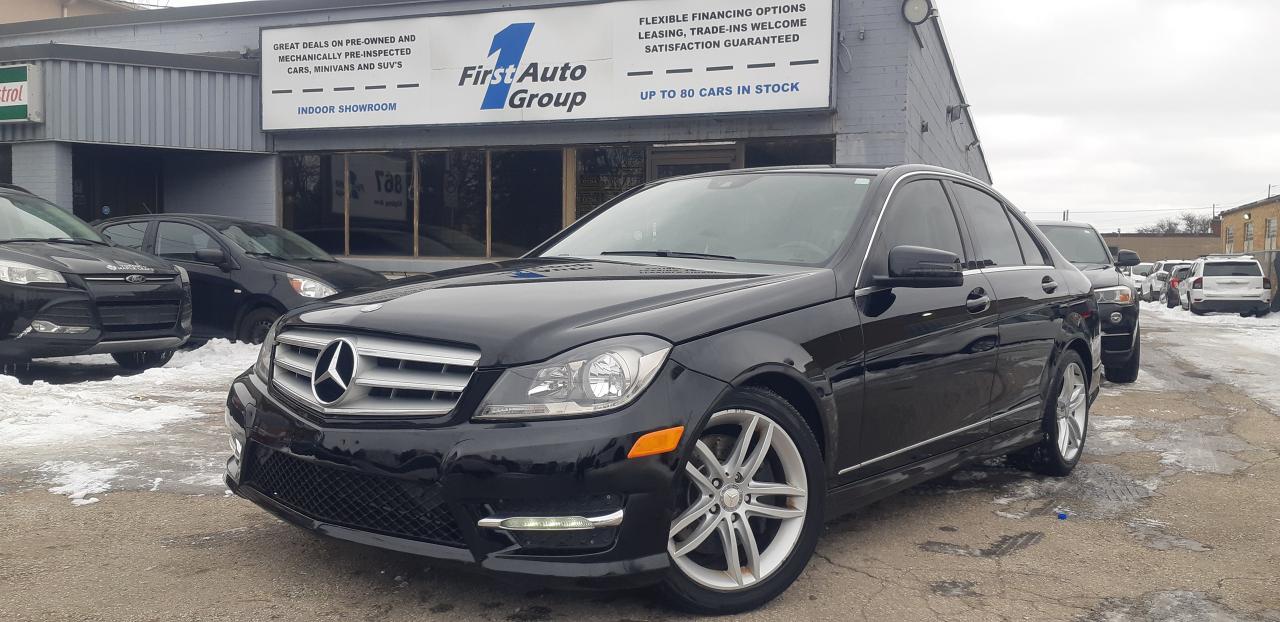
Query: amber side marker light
[(657, 442)]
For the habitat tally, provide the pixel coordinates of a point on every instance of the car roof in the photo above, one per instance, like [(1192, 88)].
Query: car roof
[(845, 169)]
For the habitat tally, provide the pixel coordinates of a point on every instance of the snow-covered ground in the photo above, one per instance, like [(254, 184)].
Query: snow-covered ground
[(1238, 351), (160, 429)]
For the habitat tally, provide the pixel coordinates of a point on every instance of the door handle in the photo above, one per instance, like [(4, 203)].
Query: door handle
[(1049, 285), (977, 302)]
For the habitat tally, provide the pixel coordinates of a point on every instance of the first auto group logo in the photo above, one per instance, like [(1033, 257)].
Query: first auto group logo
[(516, 85)]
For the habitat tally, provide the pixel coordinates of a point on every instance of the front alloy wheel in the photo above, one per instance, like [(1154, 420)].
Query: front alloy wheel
[(745, 522), (1073, 412)]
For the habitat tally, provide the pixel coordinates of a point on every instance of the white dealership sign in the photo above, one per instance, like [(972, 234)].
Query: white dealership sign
[(632, 58)]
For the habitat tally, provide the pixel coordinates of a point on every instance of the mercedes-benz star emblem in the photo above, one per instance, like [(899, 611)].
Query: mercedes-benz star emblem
[(135, 278), (334, 372)]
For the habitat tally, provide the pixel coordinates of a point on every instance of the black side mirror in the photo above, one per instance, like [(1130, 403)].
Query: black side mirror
[(213, 256), (917, 266), (1126, 258)]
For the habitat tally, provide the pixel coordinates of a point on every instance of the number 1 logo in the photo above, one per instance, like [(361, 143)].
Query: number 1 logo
[(509, 44)]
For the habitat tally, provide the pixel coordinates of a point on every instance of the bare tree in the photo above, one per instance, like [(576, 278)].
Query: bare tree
[(1187, 222)]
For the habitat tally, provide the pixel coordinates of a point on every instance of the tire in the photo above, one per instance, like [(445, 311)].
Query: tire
[(255, 324), (138, 361), (710, 512), (1050, 456), (1128, 372)]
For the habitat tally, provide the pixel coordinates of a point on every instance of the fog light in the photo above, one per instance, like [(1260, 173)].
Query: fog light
[(42, 326), (545, 523), (1116, 318), (551, 523)]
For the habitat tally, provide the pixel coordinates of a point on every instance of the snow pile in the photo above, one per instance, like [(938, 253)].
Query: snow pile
[(1231, 320), (78, 480), (193, 384)]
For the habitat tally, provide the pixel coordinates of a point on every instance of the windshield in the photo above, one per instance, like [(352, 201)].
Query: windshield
[(771, 217), (267, 240), (1143, 269), (1232, 268), (24, 217), (1080, 245)]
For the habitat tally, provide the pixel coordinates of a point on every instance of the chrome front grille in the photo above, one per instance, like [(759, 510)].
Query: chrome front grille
[(390, 377)]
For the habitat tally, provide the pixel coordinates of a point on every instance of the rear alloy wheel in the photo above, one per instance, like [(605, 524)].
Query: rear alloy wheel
[(143, 360), (1066, 422), (748, 509)]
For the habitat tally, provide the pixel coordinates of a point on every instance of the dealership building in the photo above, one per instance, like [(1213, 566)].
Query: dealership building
[(411, 135)]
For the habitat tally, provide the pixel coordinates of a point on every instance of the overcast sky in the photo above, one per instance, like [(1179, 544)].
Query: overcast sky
[(1107, 107), (1122, 111)]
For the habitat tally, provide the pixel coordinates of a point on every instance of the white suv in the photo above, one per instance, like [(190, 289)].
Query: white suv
[(1152, 289), (1232, 283)]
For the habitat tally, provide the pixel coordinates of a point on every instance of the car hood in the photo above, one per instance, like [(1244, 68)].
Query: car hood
[(1105, 276), (342, 276), (527, 310), (84, 259)]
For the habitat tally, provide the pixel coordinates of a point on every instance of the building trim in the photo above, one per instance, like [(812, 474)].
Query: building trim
[(140, 58), (1247, 206)]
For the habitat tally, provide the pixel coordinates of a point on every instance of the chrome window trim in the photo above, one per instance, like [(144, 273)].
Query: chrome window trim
[(875, 231), (938, 438)]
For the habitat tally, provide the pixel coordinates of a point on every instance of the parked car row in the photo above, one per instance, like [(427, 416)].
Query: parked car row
[(1224, 283), (138, 288)]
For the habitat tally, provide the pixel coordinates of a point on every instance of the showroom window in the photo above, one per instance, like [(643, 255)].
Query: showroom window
[(796, 152), (527, 204), (312, 193), (452, 207), (380, 204), (606, 172)]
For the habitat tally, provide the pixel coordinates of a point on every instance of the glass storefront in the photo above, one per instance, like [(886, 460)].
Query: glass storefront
[(481, 203)]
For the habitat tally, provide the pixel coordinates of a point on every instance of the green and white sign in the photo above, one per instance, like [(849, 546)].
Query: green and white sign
[(21, 98)]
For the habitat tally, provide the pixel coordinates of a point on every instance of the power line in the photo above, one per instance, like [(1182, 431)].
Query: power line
[(1130, 211)]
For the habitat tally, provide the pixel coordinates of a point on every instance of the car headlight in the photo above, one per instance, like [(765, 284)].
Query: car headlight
[(262, 366), (308, 287), (1120, 295), (589, 379), (26, 274), (182, 274)]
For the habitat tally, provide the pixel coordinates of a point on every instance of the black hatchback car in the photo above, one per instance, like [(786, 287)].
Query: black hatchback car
[(1117, 295), (243, 274), (682, 386), (65, 291)]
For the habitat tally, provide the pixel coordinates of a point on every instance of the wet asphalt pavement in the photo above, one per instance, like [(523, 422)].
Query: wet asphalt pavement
[(1174, 514)]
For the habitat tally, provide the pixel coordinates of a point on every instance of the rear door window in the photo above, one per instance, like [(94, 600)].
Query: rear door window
[(176, 240), (1232, 268), (989, 225), (128, 235)]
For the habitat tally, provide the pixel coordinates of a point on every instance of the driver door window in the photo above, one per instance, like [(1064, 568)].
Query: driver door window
[(180, 241), (920, 215)]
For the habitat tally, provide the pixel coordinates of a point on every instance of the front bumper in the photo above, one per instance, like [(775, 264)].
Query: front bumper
[(1118, 338), (103, 308), (456, 472)]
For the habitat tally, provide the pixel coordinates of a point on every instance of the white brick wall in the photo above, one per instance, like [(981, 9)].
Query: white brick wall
[(44, 168), (235, 185)]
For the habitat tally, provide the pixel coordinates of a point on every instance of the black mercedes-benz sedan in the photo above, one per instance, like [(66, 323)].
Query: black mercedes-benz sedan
[(682, 386), (1115, 291), (65, 291)]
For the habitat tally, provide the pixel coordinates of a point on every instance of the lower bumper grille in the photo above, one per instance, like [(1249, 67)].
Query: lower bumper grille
[(394, 507), (136, 320)]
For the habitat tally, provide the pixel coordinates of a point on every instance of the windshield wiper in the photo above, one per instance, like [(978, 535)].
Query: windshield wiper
[(265, 254), (81, 241), (678, 254)]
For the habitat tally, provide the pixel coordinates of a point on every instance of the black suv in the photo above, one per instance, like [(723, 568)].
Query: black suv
[(64, 291), (682, 386), (243, 274), (1117, 296)]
